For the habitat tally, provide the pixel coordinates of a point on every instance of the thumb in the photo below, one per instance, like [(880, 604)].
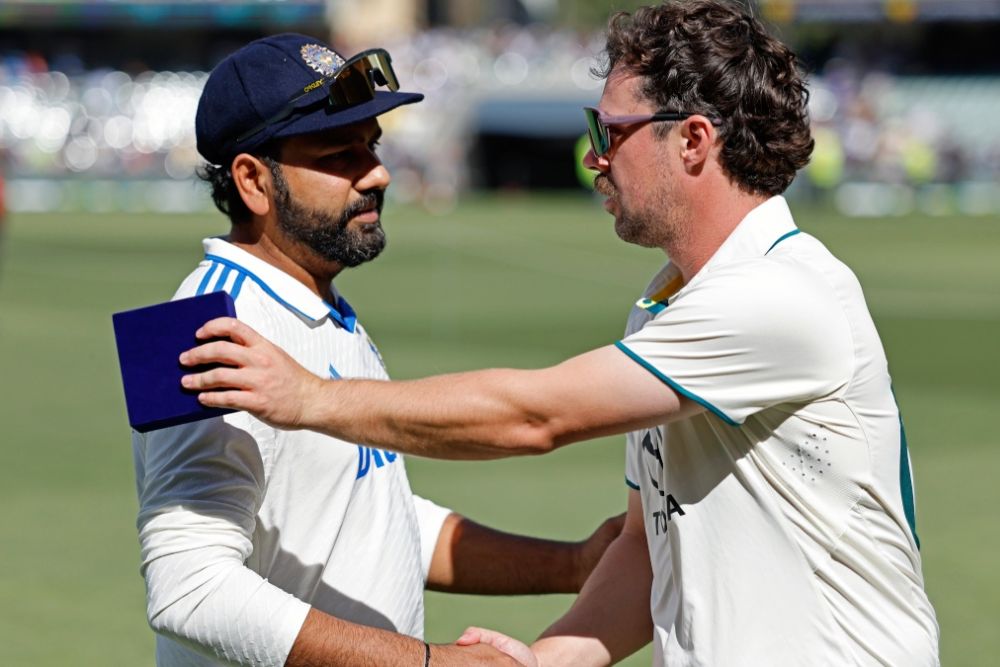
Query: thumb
[(469, 637)]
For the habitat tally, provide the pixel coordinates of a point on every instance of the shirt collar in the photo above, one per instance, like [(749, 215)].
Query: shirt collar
[(763, 228), (280, 286)]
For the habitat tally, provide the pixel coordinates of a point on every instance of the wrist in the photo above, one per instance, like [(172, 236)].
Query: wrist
[(315, 400)]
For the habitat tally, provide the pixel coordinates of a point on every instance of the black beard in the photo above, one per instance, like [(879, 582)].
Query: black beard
[(329, 236)]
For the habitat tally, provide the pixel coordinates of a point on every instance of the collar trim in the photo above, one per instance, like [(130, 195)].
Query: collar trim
[(314, 310), (782, 238)]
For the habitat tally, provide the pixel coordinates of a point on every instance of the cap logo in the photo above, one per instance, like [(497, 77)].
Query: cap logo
[(321, 59)]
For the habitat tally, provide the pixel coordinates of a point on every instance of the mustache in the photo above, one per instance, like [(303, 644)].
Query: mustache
[(368, 201), (603, 186)]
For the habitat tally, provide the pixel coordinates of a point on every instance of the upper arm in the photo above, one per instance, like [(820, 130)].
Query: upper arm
[(214, 468), (602, 392), (199, 487)]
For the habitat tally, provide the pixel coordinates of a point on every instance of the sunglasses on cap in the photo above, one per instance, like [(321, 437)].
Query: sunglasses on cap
[(599, 124), (353, 83)]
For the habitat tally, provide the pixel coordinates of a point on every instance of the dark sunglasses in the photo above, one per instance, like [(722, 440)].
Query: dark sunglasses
[(599, 124), (353, 83)]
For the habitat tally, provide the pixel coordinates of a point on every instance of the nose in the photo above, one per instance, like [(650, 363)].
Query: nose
[(376, 177), (591, 161)]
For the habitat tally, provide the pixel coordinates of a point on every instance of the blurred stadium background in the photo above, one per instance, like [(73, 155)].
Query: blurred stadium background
[(498, 256)]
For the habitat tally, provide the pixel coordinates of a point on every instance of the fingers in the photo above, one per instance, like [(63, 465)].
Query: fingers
[(228, 327), (217, 352), (495, 639), (216, 378), (236, 400), (469, 637), (501, 642)]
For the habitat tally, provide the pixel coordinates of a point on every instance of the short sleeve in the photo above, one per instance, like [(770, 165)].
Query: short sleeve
[(430, 518), (748, 337)]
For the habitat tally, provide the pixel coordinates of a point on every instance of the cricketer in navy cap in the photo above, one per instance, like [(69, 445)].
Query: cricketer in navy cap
[(254, 85), (265, 547)]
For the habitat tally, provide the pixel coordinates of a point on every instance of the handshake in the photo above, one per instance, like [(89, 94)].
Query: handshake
[(476, 641)]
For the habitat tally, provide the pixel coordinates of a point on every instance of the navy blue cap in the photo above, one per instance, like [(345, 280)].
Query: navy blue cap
[(256, 82)]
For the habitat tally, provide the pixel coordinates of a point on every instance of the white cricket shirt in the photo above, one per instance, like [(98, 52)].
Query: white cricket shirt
[(243, 527), (780, 521)]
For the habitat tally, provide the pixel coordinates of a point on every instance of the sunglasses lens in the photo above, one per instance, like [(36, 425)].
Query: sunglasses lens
[(383, 74), (350, 87), (357, 79), (598, 133)]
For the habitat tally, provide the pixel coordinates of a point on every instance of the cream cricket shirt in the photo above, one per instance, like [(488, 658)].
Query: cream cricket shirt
[(243, 527), (780, 521)]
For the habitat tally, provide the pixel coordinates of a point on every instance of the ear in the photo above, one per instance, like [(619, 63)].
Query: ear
[(698, 138), (253, 181)]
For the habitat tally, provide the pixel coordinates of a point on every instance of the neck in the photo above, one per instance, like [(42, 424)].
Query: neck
[(709, 223), (300, 263)]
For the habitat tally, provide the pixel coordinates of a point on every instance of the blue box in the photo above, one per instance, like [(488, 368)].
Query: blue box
[(149, 342)]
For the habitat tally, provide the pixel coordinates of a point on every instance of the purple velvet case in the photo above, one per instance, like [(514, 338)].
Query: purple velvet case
[(149, 342)]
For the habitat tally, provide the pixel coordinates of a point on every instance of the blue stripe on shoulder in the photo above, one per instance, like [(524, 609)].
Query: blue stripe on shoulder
[(220, 284), (260, 283), (238, 285), (348, 320), (203, 285), (673, 385)]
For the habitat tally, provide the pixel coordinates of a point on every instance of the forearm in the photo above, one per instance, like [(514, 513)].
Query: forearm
[(477, 415), (610, 619), (211, 603), (480, 415), (495, 413), (472, 558), (327, 640), (233, 614)]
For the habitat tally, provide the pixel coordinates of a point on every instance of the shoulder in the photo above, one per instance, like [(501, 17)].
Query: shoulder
[(781, 286), (253, 305), (190, 285), (767, 303)]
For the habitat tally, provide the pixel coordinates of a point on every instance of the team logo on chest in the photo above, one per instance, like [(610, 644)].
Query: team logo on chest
[(369, 458), (653, 460)]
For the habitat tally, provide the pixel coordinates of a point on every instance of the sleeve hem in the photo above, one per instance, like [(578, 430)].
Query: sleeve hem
[(673, 385), (430, 518), (630, 484)]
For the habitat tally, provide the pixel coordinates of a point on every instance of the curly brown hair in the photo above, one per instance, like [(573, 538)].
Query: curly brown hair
[(712, 58)]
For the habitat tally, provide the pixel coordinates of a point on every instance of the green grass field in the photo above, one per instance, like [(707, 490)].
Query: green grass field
[(519, 281)]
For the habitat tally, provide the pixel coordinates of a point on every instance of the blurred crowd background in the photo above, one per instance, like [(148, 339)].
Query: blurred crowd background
[(97, 99)]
